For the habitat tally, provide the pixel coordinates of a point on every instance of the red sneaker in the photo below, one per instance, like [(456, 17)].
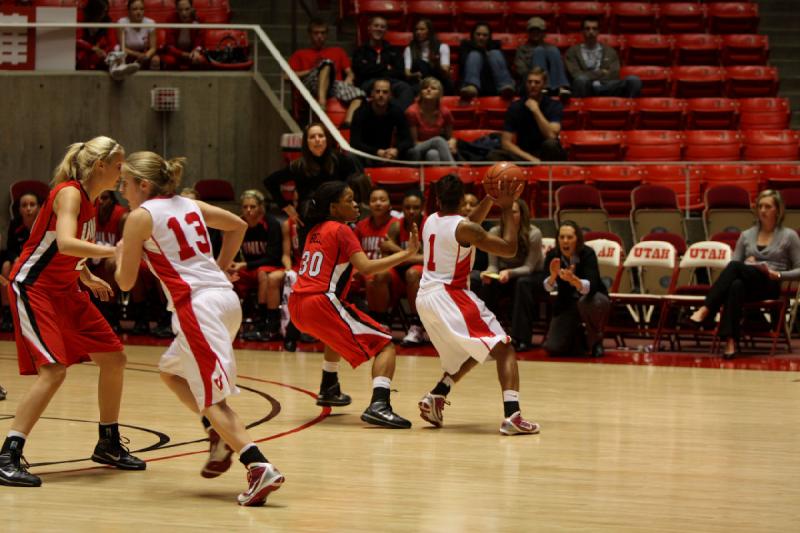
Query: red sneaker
[(516, 425), (219, 456), (262, 478)]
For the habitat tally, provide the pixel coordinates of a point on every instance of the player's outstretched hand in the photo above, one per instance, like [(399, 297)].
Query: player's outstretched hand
[(413, 240), (508, 192), (101, 290)]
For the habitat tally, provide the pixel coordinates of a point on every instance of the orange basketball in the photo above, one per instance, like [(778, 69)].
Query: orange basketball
[(503, 171)]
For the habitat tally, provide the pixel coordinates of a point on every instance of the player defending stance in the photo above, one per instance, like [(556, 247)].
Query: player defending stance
[(316, 306), (199, 366), (462, 329), (55, 323)]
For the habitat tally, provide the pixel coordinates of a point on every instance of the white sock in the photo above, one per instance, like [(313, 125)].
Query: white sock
[(330, 366), (447, 380), (510, 396), (382, 381), (17, 434)]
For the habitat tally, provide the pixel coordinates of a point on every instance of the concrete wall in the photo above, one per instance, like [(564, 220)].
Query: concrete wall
[(226, 126)]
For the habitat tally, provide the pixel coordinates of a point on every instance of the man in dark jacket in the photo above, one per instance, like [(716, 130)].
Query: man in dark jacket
[(380, 127), (379, 59)]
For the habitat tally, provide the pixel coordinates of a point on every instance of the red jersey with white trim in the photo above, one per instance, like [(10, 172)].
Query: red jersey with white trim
[(109, 232), (178, 251), (372, 235), (446, 263), (40, 263), (325, 264)]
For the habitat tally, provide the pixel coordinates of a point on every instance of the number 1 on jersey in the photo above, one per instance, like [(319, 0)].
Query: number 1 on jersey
[(431, 263)]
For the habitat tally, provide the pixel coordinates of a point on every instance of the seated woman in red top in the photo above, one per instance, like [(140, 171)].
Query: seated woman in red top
[(317, 307), (184, 48), (431, 125)]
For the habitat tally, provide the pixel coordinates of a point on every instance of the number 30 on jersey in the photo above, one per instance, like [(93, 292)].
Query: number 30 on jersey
[(311, 263)]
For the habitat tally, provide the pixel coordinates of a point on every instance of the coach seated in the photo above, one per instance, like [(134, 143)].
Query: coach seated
[(765, 254), (581, 296)]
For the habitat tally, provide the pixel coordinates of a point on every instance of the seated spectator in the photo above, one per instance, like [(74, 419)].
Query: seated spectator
[(483, 68), (470, 203), (536, 122), (94, 44), (261, 266), (361, 186), (431, 125), (764, 255), (319, 162), (425, 56), (594, 67), (377, 59), (499, 280), (379, 127), (139, 44), (581, 297), (25, 209), (371, 232), (537, 53), (183, 48), (109, 222), (326, 72), (407, 275)]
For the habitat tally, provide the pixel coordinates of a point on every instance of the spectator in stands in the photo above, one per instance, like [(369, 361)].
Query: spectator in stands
[(537, 53), (94, 44), (319, 162), (183, 48), (361, 186), (326, 72), (499, 280), (139, 44), (261, 266), (425, 56), (431, 125), (380, 128), (482, 66), (109, 222), (470, 203), (594, 67), (535, 121), (765, 255), (581, 297), (408, 274), (371, 233), (377, 59), (26, 209)]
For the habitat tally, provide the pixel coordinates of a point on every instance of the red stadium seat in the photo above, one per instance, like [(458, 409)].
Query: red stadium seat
[(748, 177), (545, 180), (764, 113), (711, 113), (465, 113), (653, 145), (674, 177), (607, 113), (213, 11), (750, 82), (562, 41), (396, 180), (572, 115), (493, 111), (471, 135), (518, 14), (399, 38), (615, 183), (572, 14), (712, 145), (745, 49), (698, 82), (733, 17), (659, 113), (224, 39), (656, 81), (682, 17), (770, 145), (394, 11), (215, 190), (648, 49), (469, 12), (160, 11), (617, 42), (440, 12), (117, 9), (632, 17), (591, 145), (779, 172), (697, 49)]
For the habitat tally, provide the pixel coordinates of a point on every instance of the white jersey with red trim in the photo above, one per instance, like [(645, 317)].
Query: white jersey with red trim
[(446, 263), (179, 249)]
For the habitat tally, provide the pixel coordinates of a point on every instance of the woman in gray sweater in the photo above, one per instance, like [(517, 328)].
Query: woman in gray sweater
[(765, 254)]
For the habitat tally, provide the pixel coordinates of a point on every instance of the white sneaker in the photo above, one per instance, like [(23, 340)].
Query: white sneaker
[(516, 425), (121, 71), (415, 335), (431, 408), (262, 478)]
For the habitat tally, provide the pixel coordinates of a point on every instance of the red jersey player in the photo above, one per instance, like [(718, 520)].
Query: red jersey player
[(199, 367), (55, 323), (461, 327), (316, 307)]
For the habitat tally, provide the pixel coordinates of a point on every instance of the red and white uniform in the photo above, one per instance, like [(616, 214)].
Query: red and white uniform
[(54, 319), (109, 232), (459, 324), (372, 235), (206, 312), (316, 305)]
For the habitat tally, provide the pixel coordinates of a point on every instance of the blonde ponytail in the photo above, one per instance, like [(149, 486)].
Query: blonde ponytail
[(164, 175), (80, 158)]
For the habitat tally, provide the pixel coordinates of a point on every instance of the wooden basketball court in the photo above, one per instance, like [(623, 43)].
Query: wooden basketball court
[(622, 448)]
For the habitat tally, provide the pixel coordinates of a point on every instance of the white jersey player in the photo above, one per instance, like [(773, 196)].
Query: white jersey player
[(459, 324), (170, 232)]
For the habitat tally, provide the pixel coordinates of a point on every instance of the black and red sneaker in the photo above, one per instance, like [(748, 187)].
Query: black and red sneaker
[(219, 456)]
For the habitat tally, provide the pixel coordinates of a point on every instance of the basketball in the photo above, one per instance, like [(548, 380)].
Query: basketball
[(503, 171)]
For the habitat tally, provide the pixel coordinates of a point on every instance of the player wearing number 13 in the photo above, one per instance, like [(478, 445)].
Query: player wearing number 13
[(199, 366), (316, 306)]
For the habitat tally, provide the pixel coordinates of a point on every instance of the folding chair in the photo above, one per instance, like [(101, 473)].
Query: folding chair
[(609, 261), (615, 183), (727, 209), (655, 209), (583, 205)]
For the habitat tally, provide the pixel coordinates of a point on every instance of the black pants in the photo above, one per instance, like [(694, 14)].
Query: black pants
[(566, 335), (737, 284)]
